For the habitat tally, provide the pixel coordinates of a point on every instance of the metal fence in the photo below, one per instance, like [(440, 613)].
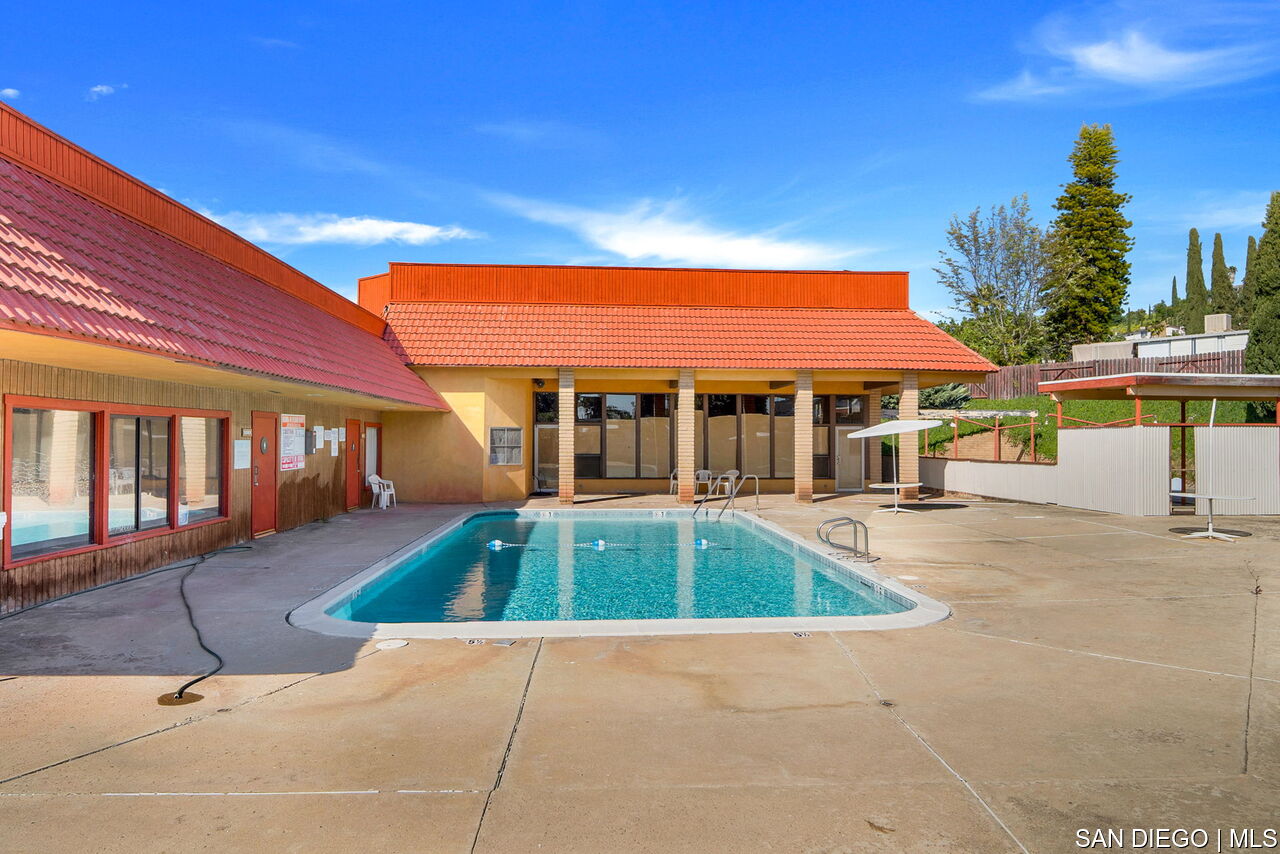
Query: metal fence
[(1024, 380)]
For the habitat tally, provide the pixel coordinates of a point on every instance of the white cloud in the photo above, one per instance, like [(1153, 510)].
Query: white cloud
[(663, 232), (1147, 47), (261, 41), (288, 228), (543, 134), (102, 90), (1238, 211), (9, 94)]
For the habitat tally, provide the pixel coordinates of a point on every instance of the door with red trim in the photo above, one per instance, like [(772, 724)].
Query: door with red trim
[(355, 470), (266, 463)]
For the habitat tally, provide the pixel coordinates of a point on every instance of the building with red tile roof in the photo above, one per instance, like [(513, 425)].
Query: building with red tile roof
[(168, 387), (740, 355)]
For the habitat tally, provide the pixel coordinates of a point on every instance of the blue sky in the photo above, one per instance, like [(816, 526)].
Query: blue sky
[(343, 135)]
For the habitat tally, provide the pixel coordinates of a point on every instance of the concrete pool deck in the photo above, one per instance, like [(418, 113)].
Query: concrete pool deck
[(1098, 672)]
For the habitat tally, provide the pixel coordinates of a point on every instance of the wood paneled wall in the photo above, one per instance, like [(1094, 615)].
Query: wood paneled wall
[(306, 495)]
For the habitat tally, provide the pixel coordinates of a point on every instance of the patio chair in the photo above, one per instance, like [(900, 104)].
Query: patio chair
[(673, 485), (702, 476), (384, 492), (730, 478)]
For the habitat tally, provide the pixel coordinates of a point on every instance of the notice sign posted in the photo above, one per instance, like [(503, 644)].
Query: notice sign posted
[(293, 442)]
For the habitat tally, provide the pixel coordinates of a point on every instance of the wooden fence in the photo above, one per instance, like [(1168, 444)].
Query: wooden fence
[(1024, 380)]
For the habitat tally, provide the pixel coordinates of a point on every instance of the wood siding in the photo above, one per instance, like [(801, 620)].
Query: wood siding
[(305, 495)]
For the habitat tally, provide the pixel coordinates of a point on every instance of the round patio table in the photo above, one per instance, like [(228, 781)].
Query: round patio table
[(897, 491), (1209, 533)]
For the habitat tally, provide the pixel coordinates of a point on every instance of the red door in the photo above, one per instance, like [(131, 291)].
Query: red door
[(266, 440), (354, 467)]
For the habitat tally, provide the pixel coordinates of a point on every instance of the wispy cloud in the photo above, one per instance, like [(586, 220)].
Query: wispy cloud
[(1237, 211), (284, 44), (652, 232), (299, 229), (541, 134), (315, 151), (1146, 46), (9, 94), (102, 90)]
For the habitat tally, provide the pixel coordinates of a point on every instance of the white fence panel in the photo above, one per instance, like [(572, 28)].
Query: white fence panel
[(1241, 461), (1015, 481), (1116, 469)]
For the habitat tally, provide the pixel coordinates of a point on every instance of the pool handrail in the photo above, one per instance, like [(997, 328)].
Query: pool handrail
[(824, 535)]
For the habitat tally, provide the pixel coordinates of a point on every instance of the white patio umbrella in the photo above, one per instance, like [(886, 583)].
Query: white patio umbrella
[(894, 428)]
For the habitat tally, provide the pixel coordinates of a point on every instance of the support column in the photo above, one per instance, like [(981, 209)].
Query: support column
[(908, 444), (685, 421), (875, 473), (568, 411), (803, 437)]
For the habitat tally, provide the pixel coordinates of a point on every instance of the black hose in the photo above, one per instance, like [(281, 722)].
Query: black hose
[(191, 617)]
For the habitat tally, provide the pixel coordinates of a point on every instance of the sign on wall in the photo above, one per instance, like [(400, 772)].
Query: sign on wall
[(293, 442), (241, 450)]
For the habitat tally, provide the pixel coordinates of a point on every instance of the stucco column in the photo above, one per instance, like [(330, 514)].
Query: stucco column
[(567, 412), (875, 469), (908, 444), (685, 421), (803, 437)]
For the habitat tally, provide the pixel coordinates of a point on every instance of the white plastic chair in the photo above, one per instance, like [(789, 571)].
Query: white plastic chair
[(702, 476), (673, 485), (384, 492)]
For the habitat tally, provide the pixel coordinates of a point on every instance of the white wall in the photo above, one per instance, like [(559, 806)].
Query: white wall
[(1116, 469), (1242, 461), (1031, 482)]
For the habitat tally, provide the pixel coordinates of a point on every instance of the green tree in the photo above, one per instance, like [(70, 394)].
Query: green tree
[(998, 268), (1245, 299), (1262, 355), (1195, 305), (1222, 294), (1091, 228), (1173, 298), (1265, 268)]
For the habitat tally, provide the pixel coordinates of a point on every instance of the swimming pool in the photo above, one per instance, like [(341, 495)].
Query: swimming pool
[(593, 572)]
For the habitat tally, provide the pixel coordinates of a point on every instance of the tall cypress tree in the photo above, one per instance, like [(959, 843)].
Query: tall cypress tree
[(1173, 297), (1195, 305), (1262, 355), (1222, 295), (1245, 299), (1092, 231)]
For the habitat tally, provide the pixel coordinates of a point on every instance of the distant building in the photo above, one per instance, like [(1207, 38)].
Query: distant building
[(1219, 337)]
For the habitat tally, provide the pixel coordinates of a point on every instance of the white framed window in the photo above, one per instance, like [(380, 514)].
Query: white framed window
[(506, 446)]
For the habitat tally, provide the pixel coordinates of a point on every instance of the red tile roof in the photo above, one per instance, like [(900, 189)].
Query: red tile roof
[(71, 266), (613, 336)]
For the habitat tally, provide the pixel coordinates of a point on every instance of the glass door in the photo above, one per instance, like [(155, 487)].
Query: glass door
[(848, 460), (546, 455)]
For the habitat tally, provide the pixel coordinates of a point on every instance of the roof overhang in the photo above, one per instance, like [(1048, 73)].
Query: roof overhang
[(1154, 386), (75, 353)]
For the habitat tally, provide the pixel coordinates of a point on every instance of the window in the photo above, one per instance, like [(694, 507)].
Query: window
[(138, 491), (822, 436), (587, 444), (784, 436), (505, 446), (51, 490), (200, 448), (620, 435), (757, 435), (546, 407), (722, 432), (849, 410), (89, 474), (655, 435)]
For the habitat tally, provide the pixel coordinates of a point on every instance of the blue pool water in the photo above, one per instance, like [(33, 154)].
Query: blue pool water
[(500, 566)]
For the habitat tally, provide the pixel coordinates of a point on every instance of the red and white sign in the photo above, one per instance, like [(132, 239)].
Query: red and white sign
[(293, 442)]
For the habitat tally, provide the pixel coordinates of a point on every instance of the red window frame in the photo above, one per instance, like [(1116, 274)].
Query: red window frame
[(98, 526)]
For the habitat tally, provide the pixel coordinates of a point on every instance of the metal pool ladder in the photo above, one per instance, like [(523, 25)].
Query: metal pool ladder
[(733, 493), (864, 554)]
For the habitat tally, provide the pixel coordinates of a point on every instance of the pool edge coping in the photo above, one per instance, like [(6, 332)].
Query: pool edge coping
[(312, 614)]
